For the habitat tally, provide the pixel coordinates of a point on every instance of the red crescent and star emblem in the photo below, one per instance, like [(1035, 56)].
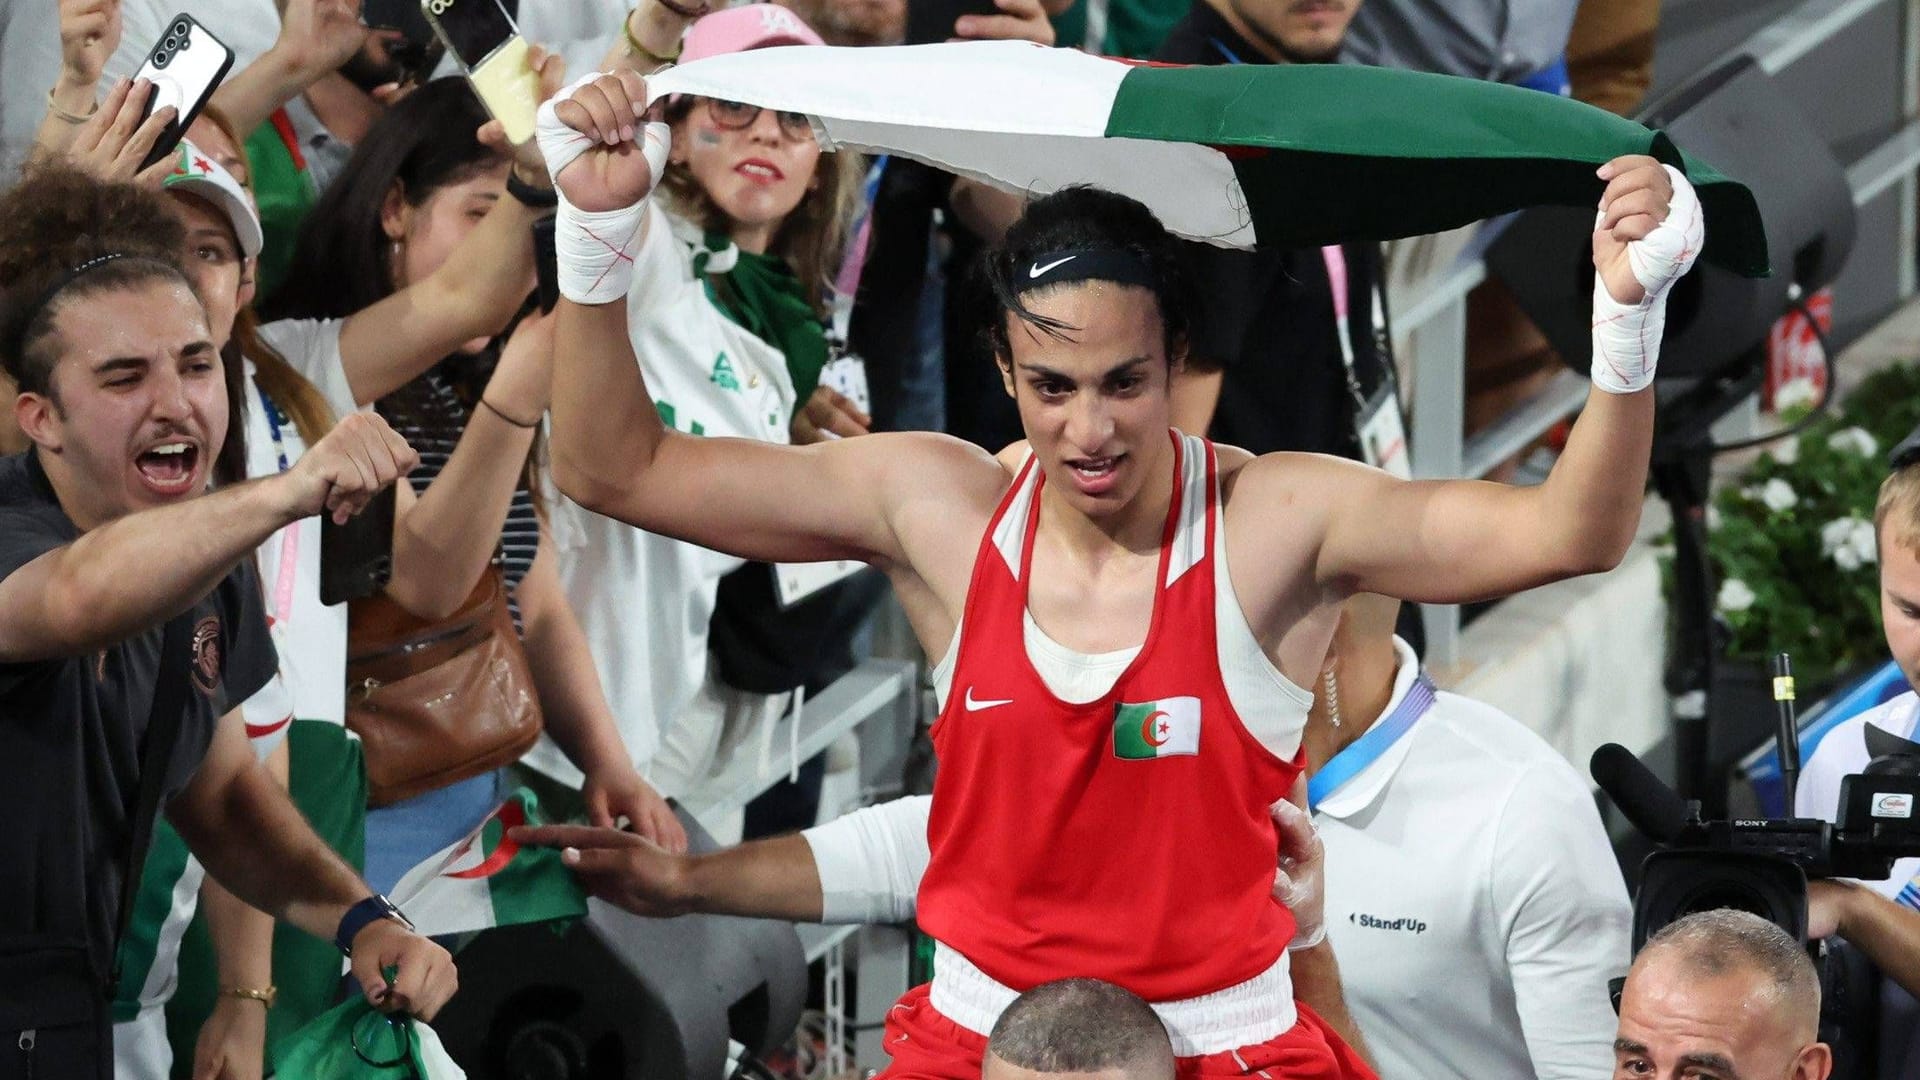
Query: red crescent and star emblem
[(511, 816), (261, 731), (1155, 730)]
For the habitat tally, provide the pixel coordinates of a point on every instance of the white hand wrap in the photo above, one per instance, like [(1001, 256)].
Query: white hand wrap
[(1626, 337), (1299, 882), (594, 249)]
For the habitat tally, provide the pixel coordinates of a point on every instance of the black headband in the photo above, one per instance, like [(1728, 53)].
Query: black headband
[(75, 274), (1084, 264), (28, 315)]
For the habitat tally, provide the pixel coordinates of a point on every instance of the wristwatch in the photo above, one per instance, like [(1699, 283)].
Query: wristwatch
[(359, 915)]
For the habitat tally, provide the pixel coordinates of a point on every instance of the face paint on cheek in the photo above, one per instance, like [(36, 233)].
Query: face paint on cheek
[(706, 137)]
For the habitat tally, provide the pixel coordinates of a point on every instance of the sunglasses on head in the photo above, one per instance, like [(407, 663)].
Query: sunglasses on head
[(738, 115)]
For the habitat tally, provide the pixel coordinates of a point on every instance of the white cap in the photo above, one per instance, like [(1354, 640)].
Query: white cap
[(198, 174)]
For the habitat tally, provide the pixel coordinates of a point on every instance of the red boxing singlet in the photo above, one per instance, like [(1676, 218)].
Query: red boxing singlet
[(1127, 839)]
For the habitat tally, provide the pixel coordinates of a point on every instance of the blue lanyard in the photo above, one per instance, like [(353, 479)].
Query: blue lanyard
[(1232, 57), (274, 420), (1368, 748)]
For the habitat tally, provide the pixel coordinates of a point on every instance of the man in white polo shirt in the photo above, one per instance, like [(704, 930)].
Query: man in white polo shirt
[(1471, 896)]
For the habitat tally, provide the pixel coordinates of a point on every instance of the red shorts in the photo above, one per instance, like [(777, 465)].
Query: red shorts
[(927, 1046)]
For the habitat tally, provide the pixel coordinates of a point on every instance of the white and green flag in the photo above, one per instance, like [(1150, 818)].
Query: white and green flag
[(1156, 729), (1246, 155), (486, 880)]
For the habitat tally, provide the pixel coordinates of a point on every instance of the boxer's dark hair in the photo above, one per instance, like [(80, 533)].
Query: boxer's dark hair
[(1081, 1026), (1086, 219), (65, 236)]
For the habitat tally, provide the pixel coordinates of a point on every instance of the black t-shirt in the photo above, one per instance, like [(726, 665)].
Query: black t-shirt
[(1265, 318), (71, 728)]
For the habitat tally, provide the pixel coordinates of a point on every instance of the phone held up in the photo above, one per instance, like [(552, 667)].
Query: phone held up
[(931, 21), (356, 559), (184, 67), (483, 38), (415, 50)]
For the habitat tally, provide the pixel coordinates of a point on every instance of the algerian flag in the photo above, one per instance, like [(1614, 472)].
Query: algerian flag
[(486, 880), (1267, 155), (1156, 729), (353, 1041)]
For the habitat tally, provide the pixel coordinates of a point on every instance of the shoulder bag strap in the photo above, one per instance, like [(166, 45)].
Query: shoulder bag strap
[(156, 747)]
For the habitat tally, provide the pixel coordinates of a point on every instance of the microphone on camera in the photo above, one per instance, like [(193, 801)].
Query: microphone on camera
[(1653, 807)]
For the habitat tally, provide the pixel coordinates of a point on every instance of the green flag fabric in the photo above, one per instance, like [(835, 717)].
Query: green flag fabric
[(1245, 156), (355, 1041)]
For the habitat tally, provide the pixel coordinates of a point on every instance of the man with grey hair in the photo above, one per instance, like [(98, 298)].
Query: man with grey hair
[(1721, 995), (1078, 1028)]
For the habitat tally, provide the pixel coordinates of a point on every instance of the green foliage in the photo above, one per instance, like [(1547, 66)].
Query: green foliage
[(1809, 566)]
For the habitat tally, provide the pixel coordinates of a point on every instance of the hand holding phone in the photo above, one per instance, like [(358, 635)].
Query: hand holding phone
[(184, 68), (483, 38), (356, 559), (932, 21)]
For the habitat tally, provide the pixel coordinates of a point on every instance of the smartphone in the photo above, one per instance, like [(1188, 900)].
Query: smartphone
[(546, 266), (417, 52), (931, 21), (184, 66), (356, 559), (482, 37)]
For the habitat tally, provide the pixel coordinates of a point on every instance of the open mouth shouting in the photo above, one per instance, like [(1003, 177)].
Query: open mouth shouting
[(169, 467)]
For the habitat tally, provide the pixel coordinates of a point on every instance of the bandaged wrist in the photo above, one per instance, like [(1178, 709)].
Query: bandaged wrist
[(1626, 337), (1626, 340), (595, 249)]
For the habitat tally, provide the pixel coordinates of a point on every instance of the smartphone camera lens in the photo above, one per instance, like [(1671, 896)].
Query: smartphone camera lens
[(180, 29), (163, 57)]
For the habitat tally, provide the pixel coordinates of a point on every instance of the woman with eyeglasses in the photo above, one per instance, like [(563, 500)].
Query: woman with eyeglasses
[(727, 318)]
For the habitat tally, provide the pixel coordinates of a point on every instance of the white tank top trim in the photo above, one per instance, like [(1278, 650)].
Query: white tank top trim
[(1250, 676), (1248, 1014)]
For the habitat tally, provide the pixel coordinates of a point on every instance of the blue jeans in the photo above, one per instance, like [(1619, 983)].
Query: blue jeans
[(400, 836)]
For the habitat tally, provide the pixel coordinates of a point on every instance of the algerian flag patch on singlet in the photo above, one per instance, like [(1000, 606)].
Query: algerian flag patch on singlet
[(1156, 729)]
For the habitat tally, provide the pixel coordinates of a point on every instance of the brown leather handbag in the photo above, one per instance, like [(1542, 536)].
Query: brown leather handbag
[(437, 701)]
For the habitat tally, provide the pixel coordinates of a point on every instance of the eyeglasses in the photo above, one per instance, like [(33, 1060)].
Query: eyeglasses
[(738, 116)]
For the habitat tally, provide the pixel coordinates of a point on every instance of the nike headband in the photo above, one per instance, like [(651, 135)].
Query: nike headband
[(1084, 264)]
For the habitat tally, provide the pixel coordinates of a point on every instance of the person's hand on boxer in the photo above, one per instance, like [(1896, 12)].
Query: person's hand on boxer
[(1299, 881)]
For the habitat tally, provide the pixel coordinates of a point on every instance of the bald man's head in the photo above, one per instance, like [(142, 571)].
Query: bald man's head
[(1725, 993), (1080, 1028)]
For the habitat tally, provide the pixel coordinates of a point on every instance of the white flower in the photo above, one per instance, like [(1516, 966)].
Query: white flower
[(1855, 439), (1865, 544), (1794, 392), (1849, 542), (1734, 596), (1713, 517), (1786, 451), (1779, 495)]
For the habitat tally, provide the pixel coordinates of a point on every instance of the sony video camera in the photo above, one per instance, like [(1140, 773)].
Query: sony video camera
[(1763, 866)]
